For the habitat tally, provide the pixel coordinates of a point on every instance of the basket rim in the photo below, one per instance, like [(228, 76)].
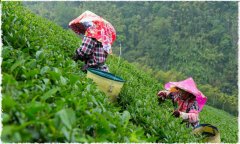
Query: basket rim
[(105, 74)]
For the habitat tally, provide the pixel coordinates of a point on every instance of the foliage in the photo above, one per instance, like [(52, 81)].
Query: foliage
[(47, 99), (226, 123), (220, 100), (216, 98), (197, 39), (138, 96)]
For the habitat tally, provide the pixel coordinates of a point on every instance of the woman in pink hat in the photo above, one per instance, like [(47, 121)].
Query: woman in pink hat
[(189, 99)]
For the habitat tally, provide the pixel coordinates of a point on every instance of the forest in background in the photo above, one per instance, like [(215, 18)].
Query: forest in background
[(171, 40), (45, 98)]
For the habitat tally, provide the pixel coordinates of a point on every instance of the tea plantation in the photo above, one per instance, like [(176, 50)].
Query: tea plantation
[(46, 98)]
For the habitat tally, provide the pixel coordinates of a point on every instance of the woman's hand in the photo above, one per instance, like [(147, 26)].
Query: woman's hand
[(162, 94), (75, 57), (176, 113)]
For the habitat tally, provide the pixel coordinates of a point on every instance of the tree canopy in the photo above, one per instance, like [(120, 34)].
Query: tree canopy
[(197, 39)]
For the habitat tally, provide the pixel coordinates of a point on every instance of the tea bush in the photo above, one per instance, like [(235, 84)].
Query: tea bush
[(46, 98)]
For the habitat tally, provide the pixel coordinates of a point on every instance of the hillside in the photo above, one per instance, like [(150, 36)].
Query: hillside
[(46, 98), (173, 39)]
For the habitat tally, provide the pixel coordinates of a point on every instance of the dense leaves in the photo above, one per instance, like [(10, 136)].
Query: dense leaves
[(216, 98), (47, 99), (45, 96), (228, 131), (197, 39), (139, 98)]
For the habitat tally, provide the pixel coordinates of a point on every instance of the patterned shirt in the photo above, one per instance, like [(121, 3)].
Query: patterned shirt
[(189, 106), (92, 52), (184, 105)]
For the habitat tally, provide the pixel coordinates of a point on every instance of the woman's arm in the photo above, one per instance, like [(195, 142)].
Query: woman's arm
[(192, 115), (86, 48), (162, 95)]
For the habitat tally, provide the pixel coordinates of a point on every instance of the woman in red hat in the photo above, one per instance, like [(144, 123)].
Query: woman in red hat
[(99, 35)]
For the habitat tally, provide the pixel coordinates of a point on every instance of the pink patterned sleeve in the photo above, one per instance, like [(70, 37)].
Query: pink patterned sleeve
[(193, 116), (193, 113)]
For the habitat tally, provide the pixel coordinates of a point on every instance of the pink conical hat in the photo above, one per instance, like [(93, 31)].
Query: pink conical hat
[(189, 86)]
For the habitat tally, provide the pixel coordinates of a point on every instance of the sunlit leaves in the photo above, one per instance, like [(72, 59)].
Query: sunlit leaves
[(46, 98)]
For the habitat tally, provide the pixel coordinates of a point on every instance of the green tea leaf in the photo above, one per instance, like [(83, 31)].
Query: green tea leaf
[(8, 103), (125, 118), (9, 79), (33, 108), (54, 75), (63, 80), (17, 64), (49, 93), (67, 117), (39, 54), (44, 70)]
